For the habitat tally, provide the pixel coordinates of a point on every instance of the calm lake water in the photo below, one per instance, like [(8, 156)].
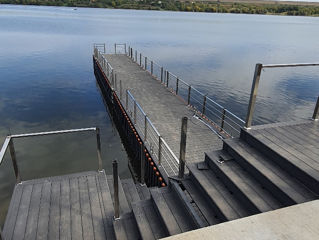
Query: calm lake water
[(47, 81)]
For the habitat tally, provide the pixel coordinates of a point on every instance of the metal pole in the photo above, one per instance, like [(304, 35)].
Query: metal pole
[(177, 80), (223, 119), (115, 81), (253, 95), (134, 111), (145, 63), (14, 161), (104, 48), (125, 48), (161, 74), (112, 77), (116, 190), (204, 105), (132, 53), (115, 48), (152, 67), (159, 150), (142, 164), (189, 95), (98, 142), (121, 89), (145, 128), (167, 78), (182, 148), (135, 56), (140, 59), (315, 115), (126, 99)]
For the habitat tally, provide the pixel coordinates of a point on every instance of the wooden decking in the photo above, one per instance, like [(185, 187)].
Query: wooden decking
[(76, 206), (165, 110)]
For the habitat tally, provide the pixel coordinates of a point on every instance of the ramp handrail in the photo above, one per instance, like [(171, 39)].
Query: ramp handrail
[(8, 142), (255, 84)]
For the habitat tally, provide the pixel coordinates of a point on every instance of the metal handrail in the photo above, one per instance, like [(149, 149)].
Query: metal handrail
[(8, 142), (255, 84)]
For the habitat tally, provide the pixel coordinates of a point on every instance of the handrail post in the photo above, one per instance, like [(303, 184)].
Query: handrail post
[(125, 48), (151, 67), (204, 105), (182, 152), (189, 95), (116, 191), (134, 111), (253, 95), (14, 161), (104, 49), (132, 53), (135, 55), (223, 119), (159, 149), (115, 81), (315, 115), (145, 63), (121, 90), (115, 48), (142, 164), (145, 128), (161, 74), (167, 78), (126, 99), (129, 51), (98, 142), (141, 59), (176, 90)]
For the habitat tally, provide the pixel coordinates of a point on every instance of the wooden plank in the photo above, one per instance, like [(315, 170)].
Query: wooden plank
[(86, 214), (98, 225), (12, 212), (131, 227), (32, 221), (44, 214), (76, 220), (165, 212), (54, 223), (143, 191), (65, 222), (142, 222), (21, 222), (130, 190), (119, 229)]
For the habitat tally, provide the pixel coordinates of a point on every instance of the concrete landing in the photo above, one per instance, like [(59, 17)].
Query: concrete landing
[(299, 222)]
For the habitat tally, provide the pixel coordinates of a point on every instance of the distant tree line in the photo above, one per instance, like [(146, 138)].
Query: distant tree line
[(188, 6)]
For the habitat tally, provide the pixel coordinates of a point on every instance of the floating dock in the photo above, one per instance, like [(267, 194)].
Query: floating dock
[(233, 170)]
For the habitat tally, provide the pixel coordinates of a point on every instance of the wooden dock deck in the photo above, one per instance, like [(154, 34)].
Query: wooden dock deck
[(165, 110)]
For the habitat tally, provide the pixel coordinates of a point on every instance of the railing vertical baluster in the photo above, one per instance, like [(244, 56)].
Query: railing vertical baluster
[(167, 78), (104, 49), (141, 59), (182, 152), (14, 161), (189, 95), (135, 55), (223, 119), (132, 53), (116, 190), (126, 100), (134, 111), (98, 142), (125, 48), (159, 150), (161, 74), (129, 51), (176, 90), (115, 81), (316, 111), (152, 67), (142, 164), (112, 77), (145, 63), (121, 90), (145, 128), (204, 105), (115, 48), (253, 95)]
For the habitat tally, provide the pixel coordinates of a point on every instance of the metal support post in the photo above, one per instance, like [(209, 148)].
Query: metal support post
[(161, 74), (14, 161), (145, 63), (140, 59), (167, 78), (115, 48), (182, 152), (253, 95), (223, 119), (204, 105), (176, 90), (116, 190), (126, 99), (315, 115), (125, 48), (145, 128), (159, 150), (131, 52), (134, 112), (115, 81), (135, 56), (152, 67), (189, 95), (104, 49), (142, 164), (112, 78), (98, 141), (121, 90)]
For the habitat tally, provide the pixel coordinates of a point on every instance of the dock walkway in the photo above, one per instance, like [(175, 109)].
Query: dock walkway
[(165, 110)]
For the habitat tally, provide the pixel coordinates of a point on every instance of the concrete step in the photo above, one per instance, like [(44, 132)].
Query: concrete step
[(287, 189), (222, 201), (271, 145), (247, 189)]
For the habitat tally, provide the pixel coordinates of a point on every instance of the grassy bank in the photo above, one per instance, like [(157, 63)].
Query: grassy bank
[(246, 7)]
